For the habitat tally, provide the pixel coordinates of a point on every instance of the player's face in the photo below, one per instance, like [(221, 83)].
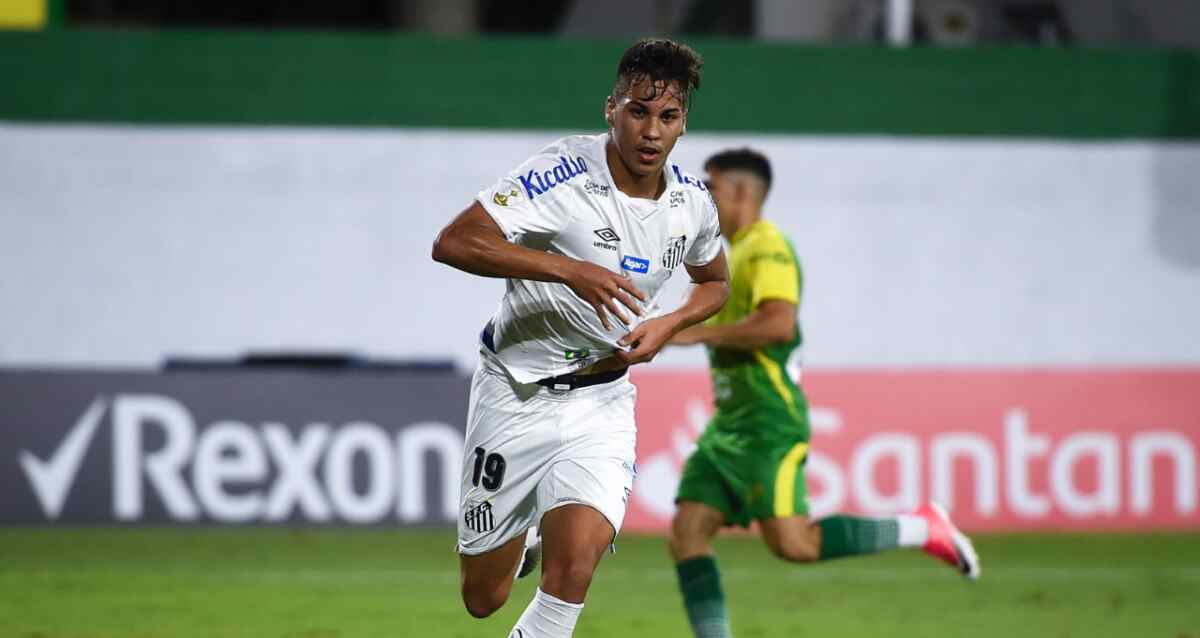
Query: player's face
[(646, 122)]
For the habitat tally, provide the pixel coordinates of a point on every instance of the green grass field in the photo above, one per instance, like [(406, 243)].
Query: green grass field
[(324, 584)]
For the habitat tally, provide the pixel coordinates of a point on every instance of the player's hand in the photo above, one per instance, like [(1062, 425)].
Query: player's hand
[(602, 289), (646, 340), (690, 336)]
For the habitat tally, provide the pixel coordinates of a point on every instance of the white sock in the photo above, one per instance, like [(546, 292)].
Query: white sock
[(914, 530), (547, 617)]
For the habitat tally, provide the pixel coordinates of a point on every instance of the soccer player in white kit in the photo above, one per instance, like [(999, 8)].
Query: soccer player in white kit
[(586, 232)]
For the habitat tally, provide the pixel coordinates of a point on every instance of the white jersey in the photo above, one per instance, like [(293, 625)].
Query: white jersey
[(563, 200)]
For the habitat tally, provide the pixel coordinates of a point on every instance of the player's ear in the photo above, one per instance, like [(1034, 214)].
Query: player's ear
[(610, 107)]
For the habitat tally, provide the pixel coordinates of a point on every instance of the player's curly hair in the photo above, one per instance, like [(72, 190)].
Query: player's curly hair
[(664, 62)]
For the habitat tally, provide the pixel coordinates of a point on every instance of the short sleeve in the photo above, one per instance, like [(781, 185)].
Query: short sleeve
[(708, 240), (519, 207), (775, 273)]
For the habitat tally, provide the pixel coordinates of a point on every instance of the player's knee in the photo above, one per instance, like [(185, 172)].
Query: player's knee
[(483, 602), (803, 553), (796, 550), (685, 543), (797, 547), (567, 578), (676, 544)]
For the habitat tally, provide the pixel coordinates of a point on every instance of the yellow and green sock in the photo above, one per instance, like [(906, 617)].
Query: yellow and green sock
[(700, 582), (843, 535)]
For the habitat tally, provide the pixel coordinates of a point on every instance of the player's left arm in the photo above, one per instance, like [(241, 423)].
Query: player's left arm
[(707, 295)]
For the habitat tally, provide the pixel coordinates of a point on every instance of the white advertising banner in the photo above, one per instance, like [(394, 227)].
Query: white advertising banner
[(122, 244)]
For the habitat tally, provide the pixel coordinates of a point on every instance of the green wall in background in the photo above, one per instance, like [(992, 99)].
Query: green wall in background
[(523, 83)]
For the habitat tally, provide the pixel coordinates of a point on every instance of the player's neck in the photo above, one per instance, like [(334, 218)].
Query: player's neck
[(626, 181), (741, 222)]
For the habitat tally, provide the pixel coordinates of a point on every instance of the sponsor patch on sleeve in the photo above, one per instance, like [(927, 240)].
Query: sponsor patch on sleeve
[(505, 196)]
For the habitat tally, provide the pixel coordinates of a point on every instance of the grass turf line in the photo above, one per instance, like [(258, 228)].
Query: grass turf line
[(98, 583)]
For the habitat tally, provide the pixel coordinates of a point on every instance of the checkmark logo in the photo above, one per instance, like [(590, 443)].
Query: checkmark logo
[(52, 478)]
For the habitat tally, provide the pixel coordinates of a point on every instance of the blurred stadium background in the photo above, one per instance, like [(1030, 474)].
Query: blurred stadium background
[(232, 382)]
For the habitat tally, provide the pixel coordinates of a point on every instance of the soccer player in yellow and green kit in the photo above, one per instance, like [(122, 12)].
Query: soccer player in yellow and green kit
[(749, 462)]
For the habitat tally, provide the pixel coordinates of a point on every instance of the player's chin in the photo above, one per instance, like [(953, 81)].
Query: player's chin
[(647, 167)]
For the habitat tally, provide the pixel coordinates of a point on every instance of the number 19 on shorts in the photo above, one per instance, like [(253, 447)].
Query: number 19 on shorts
[(489, 469)]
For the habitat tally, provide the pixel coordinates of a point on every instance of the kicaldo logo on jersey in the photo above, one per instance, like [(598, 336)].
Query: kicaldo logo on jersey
[(235, 472), (1005, 451)]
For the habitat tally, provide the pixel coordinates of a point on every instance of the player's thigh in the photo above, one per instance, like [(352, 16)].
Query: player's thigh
[(510, 444), (574, 538), (591, 491), (782, 513), (794, 538)]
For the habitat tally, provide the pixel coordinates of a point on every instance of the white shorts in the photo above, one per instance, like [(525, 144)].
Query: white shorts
[(530, 449)]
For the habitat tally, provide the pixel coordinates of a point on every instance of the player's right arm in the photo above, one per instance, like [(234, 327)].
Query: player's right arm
[(772, 322), (474, 243)]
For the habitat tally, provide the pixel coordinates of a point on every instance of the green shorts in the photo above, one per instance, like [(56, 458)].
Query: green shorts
[(747, 482)]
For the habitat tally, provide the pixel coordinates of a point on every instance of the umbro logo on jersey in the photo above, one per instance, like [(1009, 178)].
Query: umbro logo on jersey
[(536, 183), (674, 253), (635, 264), (480, 518), (607, 234)]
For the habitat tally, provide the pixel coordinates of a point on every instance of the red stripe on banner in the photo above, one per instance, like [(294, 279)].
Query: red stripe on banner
[(1041, 449)]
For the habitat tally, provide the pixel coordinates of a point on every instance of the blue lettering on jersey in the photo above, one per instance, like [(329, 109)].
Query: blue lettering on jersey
[(536, 183), (687, 179), (635, 264)]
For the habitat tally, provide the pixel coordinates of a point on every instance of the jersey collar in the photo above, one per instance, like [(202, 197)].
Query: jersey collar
[(745, 230)]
